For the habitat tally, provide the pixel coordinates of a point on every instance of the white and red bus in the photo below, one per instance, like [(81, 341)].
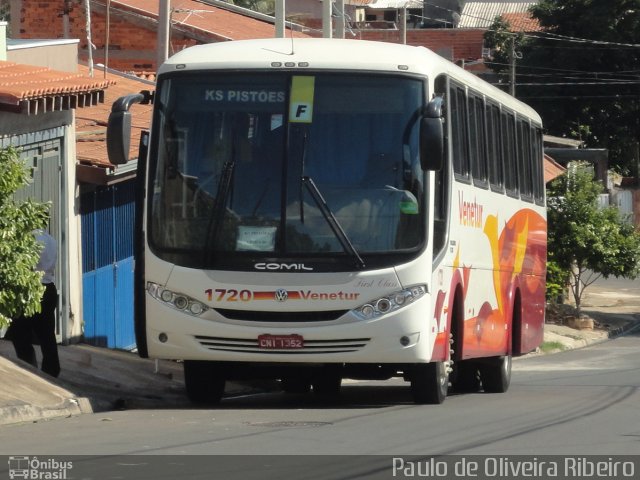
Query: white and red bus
[(318, 209)]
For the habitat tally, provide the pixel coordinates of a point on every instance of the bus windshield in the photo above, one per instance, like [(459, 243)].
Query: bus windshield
[(235, 155)]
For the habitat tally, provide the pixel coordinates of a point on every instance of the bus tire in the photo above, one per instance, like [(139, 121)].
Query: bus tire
[(495, 374), (327, 382), (429, 382), (295, 385), (204, 382)]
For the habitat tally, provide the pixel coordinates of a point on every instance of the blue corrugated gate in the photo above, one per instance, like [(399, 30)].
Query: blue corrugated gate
[(107, 265)]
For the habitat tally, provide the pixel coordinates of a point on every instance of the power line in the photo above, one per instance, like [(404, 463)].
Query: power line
[(545, 35), (586, 73), (556, 84), (566, 38), (578, 97)]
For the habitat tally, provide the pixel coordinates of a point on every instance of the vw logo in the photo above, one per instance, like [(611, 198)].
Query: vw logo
[(281, 295)]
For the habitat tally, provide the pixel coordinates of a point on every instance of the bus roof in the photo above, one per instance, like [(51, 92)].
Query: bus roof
[(315, 54)]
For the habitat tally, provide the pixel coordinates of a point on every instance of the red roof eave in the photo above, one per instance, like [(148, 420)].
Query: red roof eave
[(21, 84)]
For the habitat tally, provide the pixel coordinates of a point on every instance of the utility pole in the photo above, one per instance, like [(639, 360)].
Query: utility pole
[(341, 22), (87, 6), (280, 19), (164, 18), (403, 24), (327, 21)]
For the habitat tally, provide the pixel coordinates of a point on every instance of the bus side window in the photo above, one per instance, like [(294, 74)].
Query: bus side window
[(478, 140), (525, 164), (496, 168), (459, 131), (538, 182), (509, 153)]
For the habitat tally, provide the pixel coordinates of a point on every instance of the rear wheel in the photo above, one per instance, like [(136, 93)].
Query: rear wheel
[(430, 382), (496, 374), (204, 381)]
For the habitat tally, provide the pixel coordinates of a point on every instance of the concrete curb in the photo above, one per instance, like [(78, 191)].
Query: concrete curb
[(70, 407)]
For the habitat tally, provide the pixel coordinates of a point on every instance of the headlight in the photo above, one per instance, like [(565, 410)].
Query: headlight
[(179, 301), (390, 303)]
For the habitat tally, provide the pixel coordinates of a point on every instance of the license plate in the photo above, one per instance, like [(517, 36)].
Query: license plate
[(280, 342)]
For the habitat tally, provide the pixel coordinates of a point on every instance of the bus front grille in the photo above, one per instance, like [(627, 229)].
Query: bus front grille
[(343, 345), (280, 317)]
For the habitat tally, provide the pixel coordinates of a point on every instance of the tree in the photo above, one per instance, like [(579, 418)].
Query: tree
[(20, 288), (499, 38), (581, 73), (585, 240)]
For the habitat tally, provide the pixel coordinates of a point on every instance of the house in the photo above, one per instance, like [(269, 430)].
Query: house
[(38, 108), (482, 13), (107, 215), (452, 28), (92, 198), (129, 27)]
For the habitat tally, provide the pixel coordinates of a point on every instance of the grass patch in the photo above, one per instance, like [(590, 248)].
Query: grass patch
[(547, 347)]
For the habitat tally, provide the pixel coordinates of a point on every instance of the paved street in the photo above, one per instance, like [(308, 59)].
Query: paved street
[(555, 406)]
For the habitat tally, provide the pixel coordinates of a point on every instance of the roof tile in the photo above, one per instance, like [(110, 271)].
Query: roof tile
[(482, 13), (26, 82), (552, 169), (91, 123), (202, 17), (522, 22)]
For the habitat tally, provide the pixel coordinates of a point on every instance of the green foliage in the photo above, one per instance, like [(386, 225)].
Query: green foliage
[(548, 347), (584, 89), (5, 10), (557, 281), (20, 288), (584, 240), (498, 38)]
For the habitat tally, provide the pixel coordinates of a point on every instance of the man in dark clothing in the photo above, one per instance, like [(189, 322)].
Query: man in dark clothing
[(42, 325)]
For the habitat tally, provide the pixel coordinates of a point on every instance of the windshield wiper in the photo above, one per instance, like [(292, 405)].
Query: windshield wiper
[(328, 215), (219, 206)]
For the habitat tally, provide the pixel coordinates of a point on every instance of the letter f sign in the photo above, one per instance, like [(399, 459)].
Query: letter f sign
[(301, 113), (301, 101)]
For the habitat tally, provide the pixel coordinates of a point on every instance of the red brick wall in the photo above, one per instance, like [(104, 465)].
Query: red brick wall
[(131, 47), (465, 44), (39, 19)]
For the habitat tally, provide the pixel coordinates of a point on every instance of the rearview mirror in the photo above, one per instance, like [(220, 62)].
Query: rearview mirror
[(119, 126), (432, 136)]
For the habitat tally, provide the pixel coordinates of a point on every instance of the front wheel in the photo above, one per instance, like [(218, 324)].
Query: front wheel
[(327, 381), (204, 382), (495, 374), (430, 382), (293, 384)]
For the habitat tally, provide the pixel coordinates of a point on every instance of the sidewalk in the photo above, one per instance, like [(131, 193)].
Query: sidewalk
[(98, 379), (92, 379)]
